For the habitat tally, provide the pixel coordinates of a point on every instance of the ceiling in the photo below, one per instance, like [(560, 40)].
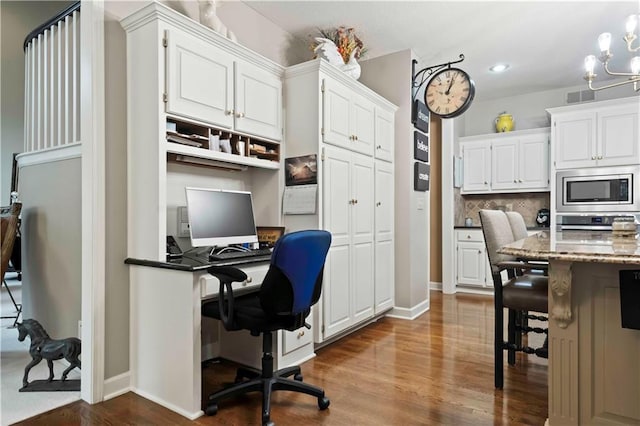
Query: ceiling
[(544, 42)]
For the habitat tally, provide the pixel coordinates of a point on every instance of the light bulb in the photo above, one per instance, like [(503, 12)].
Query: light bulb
[(632, 22), (589, 64), (604, 40), (635, 65)]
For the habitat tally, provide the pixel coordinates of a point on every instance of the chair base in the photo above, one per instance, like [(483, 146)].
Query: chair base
[(266, 381)]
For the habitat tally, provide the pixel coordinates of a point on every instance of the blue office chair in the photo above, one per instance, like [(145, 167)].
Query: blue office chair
[(292, 285)]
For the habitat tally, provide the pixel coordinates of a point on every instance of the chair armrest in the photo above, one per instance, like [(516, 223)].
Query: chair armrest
[(226, 275)]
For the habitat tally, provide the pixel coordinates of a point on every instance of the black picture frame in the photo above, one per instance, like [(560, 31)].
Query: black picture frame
[(421, 176), (302, 170), (420, 116), (420, 146)]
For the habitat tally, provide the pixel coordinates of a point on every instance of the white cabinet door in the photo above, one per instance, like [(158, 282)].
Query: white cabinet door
[(349, 216), (384, 248), (471, 260), (504, 164), (362, 225), (258, 102), (384, 135), (533, 159), (199, 80), (575, 140), (476, 164), (337, 294), (362, 125), (348, 118), (336, 110), (618, 136)]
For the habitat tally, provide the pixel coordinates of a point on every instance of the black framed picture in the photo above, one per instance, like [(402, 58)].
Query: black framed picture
[(420, 116), (420, 146), (301, 170), (421, 176)]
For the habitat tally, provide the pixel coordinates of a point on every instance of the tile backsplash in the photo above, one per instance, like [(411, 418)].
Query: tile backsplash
[(527, 204)]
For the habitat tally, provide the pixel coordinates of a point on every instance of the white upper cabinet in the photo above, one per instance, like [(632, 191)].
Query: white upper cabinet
[(384, 135), (208, 84), (598, 134), (199, 80), (506, 162), (348, 118)]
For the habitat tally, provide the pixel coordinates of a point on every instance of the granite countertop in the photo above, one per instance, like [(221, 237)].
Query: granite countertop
[(576, 246)]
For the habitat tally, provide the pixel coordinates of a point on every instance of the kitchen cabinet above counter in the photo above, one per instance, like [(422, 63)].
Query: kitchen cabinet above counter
[(506, 162)]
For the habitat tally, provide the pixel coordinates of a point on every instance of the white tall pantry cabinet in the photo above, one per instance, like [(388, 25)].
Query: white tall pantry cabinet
[(350, 128)]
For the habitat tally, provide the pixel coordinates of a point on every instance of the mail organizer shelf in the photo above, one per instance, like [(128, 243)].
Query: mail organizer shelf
[(206, 146)]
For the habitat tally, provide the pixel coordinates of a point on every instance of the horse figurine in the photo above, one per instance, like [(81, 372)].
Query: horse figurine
[(42, 346)]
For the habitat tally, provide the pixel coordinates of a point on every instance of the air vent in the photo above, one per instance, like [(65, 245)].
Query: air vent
[(580, 96)]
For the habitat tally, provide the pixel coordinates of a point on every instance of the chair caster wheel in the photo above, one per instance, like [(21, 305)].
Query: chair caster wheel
[(211, 410), (297, 377), (323, 403)]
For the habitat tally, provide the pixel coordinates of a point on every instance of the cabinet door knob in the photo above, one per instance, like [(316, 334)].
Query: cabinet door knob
[(249, 279), (479, 251), (229, 112), (520, 180), (468, 237), (355, 201), (355, 137), (379, 147), (593, 157), (378, 203), (515, 181), (240, 114), (300, 334), (485, 183), (600, 157)]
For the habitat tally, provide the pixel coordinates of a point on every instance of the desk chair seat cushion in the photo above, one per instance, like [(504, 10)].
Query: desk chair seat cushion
[(248, 314), (526, 293)]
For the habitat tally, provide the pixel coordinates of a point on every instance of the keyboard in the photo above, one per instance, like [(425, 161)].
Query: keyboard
[(226, 255)]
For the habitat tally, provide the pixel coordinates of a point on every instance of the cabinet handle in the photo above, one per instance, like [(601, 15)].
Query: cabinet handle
[(300, 334), (240, 114), (378, 203), (379, 147), (229, 112)]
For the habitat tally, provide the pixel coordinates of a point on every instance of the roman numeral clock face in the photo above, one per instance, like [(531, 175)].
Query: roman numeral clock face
[(449, 93)]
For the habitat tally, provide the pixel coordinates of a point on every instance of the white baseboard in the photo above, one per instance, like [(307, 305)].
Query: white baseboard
[(172, 407), (410, 313), (435, 286), (116, 386)]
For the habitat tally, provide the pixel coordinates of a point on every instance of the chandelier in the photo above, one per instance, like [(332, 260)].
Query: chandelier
[(604, 40)]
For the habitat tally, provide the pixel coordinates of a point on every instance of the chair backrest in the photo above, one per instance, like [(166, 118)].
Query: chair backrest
[(497, 233), (294, 280), (9, 229), (518, 227)]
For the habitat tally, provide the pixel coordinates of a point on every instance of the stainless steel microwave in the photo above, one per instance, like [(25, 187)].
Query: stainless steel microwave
[(609, 189)]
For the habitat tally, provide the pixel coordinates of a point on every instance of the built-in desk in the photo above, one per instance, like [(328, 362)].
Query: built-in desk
[(594, 363), (167, 332)]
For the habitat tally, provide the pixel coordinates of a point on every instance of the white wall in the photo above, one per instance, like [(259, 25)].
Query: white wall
[(390, 76)]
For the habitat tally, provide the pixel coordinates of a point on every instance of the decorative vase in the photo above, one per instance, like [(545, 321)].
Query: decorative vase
[(504, 123)]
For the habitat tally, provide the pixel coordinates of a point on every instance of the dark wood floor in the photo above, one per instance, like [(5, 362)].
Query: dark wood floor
[(435, 370)]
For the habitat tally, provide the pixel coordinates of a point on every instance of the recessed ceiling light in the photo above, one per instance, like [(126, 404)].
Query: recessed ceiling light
[(499, 68)]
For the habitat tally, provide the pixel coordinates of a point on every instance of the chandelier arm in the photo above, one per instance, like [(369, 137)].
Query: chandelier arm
[(622, 74), (629, 41), (635, 82)]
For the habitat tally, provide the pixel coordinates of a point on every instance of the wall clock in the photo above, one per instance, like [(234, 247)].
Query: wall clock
[(449, 92)]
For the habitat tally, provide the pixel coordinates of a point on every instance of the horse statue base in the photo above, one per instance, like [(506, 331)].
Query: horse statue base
[(52, 386), (44, 347)]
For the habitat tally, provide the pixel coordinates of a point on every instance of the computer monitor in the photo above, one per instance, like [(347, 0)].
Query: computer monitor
[(220, 217)]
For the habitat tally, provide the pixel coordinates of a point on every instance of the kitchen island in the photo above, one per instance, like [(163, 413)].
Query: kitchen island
[(594, 363)]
